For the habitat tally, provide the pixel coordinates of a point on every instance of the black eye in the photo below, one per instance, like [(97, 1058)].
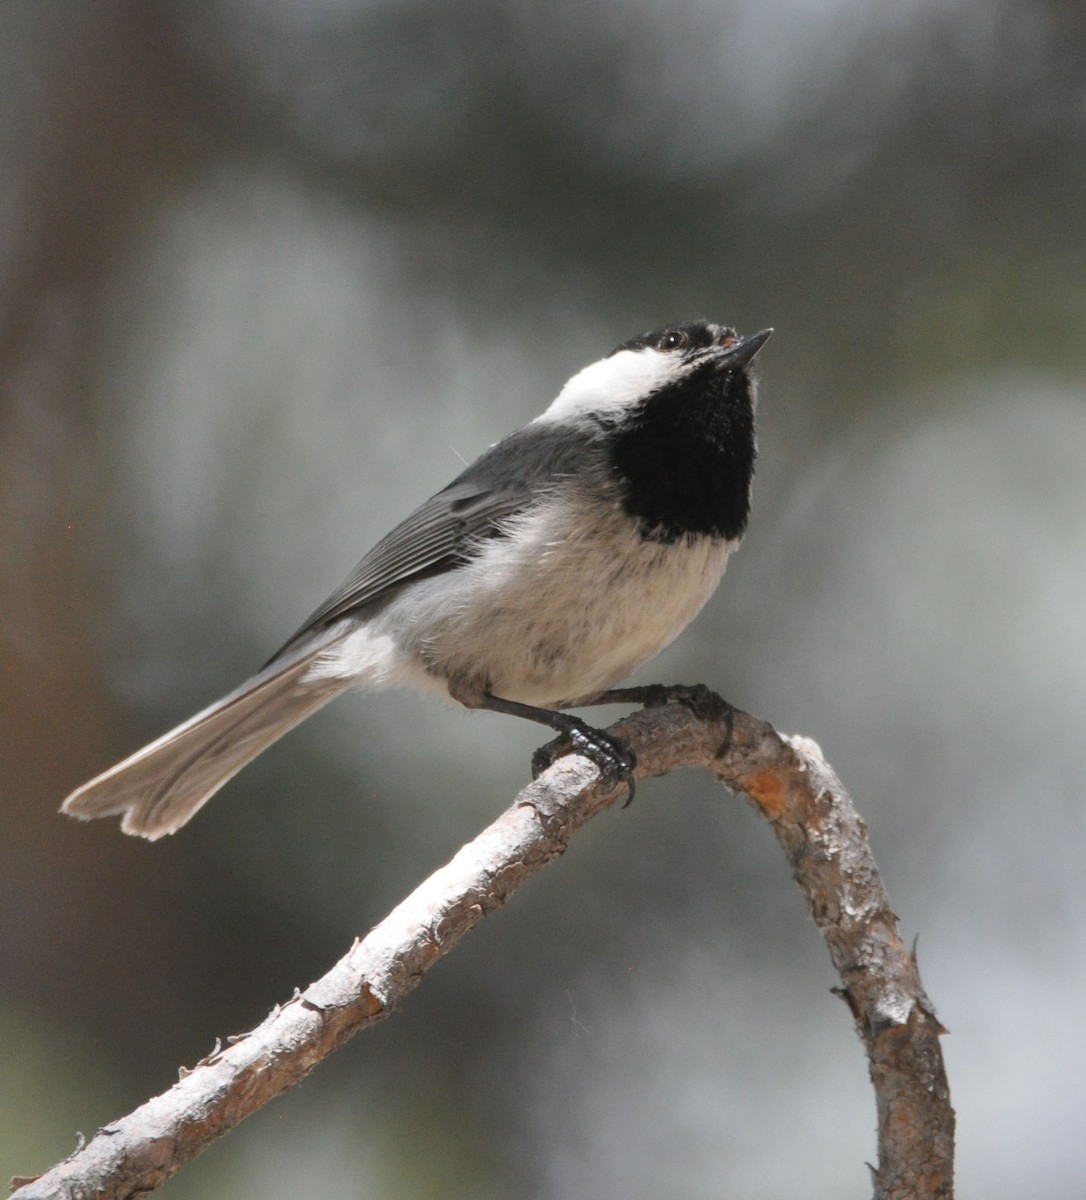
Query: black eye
[(673, 339)]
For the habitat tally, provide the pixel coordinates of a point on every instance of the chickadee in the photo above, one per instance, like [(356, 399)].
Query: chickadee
[(563, 558)]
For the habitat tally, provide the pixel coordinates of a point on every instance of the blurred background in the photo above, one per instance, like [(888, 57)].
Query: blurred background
[(269, 274)]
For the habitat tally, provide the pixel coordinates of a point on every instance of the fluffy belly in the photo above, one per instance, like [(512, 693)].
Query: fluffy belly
[(556, 615)]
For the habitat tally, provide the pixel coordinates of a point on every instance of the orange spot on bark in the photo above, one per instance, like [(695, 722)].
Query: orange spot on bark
[(766, 789)]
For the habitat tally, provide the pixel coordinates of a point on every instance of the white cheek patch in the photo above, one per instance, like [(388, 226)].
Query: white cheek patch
[(613, 385)]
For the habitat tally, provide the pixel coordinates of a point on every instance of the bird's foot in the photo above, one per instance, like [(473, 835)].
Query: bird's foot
[(613, 755), (702, 702)]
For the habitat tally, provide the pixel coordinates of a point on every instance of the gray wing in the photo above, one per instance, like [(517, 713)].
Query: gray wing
[(441, 533)]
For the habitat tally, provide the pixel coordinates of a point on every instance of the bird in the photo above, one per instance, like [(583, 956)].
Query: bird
[(564, 557)]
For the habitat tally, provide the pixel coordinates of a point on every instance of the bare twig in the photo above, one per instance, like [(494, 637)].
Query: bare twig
[(788, 782)]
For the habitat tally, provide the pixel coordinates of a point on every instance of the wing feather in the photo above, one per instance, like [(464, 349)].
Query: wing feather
[(441, 533)]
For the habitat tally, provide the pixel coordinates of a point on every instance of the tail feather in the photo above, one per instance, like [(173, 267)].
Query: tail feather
[(160, 787)]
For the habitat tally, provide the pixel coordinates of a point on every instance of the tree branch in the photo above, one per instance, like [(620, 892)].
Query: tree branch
[(824, 839)]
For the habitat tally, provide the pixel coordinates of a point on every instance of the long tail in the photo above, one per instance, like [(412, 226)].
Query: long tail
[(160, 787)]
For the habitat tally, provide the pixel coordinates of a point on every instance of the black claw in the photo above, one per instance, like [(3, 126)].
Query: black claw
[(702, 702), (546, 756), (697, 697), (613, 755)]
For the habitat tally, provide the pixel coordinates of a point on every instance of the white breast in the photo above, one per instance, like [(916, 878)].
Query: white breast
[(555, 614)]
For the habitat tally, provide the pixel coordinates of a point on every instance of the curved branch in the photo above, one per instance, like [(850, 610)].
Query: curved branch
[(788, 782)]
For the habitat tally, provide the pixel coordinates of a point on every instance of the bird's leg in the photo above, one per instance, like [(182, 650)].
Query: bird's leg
[(705, 704), (611, 754), (702, 702)]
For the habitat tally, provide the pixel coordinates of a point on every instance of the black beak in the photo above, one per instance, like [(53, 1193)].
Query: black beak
[(739, 353)]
